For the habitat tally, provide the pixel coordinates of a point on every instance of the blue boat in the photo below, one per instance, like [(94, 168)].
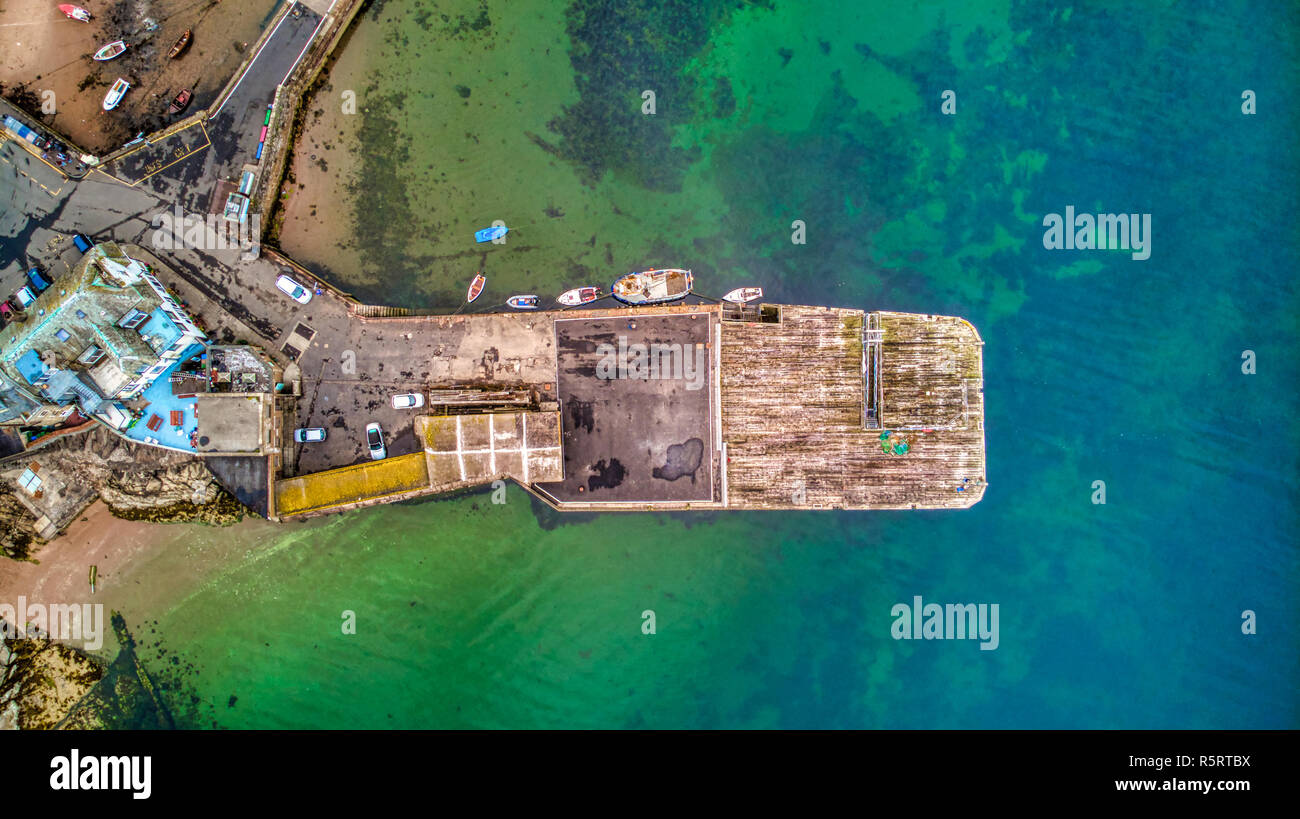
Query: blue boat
[(488, 234)]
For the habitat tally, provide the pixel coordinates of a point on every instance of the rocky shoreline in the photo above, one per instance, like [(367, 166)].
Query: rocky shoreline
[(46, 685), (136, 482)]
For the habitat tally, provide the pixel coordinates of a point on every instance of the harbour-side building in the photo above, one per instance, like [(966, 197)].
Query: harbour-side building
[(95, 340)]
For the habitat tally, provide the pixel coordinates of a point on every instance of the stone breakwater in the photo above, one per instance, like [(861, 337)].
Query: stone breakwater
[(136, 482)]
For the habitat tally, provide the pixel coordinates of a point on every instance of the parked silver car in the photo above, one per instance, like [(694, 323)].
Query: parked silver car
[(375, 442)]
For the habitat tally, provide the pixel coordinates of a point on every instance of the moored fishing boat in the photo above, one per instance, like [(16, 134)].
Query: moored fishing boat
[(113, 49), (579, 295), (180, 44), (744, 294), (523, 302), (653, 286), (475, 288), (75, 12), (490, 233), (181, 102), (115, 94)]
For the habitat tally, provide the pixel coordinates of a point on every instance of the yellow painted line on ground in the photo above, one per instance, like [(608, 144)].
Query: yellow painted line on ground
[(54, 193), (157, 169)]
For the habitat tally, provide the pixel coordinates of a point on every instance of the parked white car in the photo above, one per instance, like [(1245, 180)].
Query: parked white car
[(375, 442), (409, 400), (309, 435), (293, 290)]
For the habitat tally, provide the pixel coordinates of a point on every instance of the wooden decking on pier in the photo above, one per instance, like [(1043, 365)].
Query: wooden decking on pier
[(793, 419)]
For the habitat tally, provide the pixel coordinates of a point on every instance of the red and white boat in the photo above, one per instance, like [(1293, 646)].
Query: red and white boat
[(742, 295), (578, 295), (475, 288), (110, 51), (75, 12)]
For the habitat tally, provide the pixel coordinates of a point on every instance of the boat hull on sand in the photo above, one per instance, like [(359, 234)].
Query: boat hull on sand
[(110, 51), (75, 12), (653, 286), (180, 45), (115, 94), (181, 102)]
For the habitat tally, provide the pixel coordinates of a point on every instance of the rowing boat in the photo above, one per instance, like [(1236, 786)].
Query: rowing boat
[(113, 49), (180, 45), (181, 102), (115, 94), (523, 302), (475, 288), (579, 295)]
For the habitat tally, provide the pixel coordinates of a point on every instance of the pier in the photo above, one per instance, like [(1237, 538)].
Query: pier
[(695, 405)]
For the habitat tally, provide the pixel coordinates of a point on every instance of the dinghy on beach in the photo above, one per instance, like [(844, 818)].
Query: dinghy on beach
[(578, 295), (115, 94), (181, 102), (75, 12), (475, 288), (180, 44), (108, 52)]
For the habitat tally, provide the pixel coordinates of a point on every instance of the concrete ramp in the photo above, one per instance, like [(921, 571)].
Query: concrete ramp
[(351, 486)]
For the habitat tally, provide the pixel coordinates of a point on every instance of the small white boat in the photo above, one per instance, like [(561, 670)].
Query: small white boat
[(113, 49), (744, 294), (653, 286), (578, 295), (524, 302), (115, 94)]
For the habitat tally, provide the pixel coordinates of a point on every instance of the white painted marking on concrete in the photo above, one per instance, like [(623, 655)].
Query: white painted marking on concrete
[(298, 59), (523, 446), (250, 66), (492, 444), (460, 450)]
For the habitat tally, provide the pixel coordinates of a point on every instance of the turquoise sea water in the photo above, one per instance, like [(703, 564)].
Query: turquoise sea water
[(1097, 367)]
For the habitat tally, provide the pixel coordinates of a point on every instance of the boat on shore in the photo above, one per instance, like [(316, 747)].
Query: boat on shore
[(524, 302), (181, 102), (475, 288), (180, 44), (741, 295), (490, 233), (653, 286), (75, 12), (115, 94), (110, 51), (578, 295)]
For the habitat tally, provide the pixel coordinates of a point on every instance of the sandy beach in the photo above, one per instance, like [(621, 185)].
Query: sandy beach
[(45, 51), (143, 569)]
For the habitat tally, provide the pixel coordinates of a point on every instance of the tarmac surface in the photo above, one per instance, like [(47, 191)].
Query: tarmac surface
[(636, 408)]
